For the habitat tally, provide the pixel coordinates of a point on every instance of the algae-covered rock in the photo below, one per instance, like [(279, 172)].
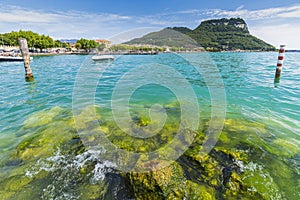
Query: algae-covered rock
[(52, 161), (237, 125), (46, 142), (166, 183), (42, 117), (196, 191), (259, 181), (88, 118), (170, 182), (224, 137), (34, 168), (286, 147)]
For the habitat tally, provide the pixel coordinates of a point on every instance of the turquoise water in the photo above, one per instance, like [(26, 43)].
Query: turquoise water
[(251, 99)]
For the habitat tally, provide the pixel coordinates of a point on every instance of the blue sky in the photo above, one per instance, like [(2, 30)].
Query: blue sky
[(274, 21)]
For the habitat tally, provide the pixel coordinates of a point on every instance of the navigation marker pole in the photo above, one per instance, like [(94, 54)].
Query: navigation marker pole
[(279, 65), (26, 57)]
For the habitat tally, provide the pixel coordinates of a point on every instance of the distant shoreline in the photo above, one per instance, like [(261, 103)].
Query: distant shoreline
[(134, 53), (145, 53)]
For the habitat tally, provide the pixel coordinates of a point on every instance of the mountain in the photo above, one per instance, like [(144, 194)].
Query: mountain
[(183, 30), (227, 34), (70, 41), (213, 35), (167, 37)]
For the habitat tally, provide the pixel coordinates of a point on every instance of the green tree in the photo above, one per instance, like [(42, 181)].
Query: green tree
[(33, 39), (86, 44), (101, 46), (78, 46)]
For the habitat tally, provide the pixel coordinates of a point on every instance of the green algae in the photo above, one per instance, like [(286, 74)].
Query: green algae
[(46, 142), (166, 183), (260, 181), (93, 191), (142, 145), (195, 191), (238, 145), (247, 162), (288, 148), (224, 137), (85, 118), (169, 183), (42, 117), (35, 146)]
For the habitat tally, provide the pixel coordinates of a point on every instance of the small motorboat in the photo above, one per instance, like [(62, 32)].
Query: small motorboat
[(103, 58), (12, 58)]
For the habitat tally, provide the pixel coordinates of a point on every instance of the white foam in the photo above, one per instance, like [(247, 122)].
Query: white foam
[(68, 168)]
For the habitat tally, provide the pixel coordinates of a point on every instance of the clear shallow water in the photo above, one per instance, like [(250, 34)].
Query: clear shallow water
[(248, 79)]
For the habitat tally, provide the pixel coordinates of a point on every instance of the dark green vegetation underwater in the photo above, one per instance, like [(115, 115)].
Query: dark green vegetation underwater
[(43, 156), (52, 162)]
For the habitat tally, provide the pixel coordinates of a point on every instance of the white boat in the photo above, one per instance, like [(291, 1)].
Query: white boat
[(12, 58), (103, 58)]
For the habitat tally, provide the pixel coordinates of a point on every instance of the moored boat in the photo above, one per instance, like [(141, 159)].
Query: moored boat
[(103, 58), (12, 58)]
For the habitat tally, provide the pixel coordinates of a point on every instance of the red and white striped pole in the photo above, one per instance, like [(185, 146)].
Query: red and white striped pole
[(279, 64)]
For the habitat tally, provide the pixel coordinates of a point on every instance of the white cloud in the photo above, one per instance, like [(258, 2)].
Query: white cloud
[(283, 12), (14, 14), (152, 20), (278, 34), (240, 7), (293, 12), (264, 23), (64, 24), (193, 11), (77, 24)]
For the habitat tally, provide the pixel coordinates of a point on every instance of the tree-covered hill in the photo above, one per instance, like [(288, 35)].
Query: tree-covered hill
[(166, 37), (183, 30), (227, 34), (214, 35)]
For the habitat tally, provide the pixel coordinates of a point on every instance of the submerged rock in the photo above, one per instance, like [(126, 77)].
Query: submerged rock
[(167, 183), (43, 117), (53, 162)]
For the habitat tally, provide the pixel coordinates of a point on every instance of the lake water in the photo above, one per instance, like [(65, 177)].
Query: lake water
[(262, 123)]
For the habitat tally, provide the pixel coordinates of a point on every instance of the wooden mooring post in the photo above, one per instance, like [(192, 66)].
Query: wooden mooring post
[(26, 57), (279, 65)]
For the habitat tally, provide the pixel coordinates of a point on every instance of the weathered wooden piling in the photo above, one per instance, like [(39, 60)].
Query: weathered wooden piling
[(279, 64), (26, 57)]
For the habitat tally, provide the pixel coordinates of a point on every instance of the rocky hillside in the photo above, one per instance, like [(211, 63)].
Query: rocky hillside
[(227, 34), (213, 35)]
